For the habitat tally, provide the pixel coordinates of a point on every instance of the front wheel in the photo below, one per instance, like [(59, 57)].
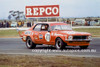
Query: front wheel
[(30, 44), (84, 47), (59, 44)]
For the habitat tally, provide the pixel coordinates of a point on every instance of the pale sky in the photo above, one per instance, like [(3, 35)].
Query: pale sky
[(68, 8)]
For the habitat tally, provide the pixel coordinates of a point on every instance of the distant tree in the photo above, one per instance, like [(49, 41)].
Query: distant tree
[(89, 19), (9, 17), (96, 20), (16, 14), (68, 20)]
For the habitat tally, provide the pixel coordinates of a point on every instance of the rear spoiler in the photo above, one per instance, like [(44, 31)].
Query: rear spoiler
[(19, 32)]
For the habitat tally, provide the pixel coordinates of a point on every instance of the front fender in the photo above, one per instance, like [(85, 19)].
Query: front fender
[(62, 37)]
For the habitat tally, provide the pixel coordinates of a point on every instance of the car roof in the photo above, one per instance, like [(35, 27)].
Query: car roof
[(52, 23)]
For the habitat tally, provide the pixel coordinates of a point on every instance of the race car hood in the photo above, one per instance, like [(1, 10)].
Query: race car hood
[(74, 33)]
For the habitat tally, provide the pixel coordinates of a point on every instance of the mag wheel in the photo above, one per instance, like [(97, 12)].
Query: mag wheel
[(59, 44), (84, 47), (29, 43)]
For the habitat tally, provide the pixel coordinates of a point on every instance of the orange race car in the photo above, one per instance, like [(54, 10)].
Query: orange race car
[(55, 33)]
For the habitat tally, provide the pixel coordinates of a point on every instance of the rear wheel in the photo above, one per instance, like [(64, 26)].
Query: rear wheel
[(84, 47), (30, 44), (59, 44)]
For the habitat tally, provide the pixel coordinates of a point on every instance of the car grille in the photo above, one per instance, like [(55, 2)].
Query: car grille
[(79, 37)]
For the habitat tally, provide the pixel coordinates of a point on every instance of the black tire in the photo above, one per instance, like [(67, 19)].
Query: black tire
[(59, 44), (30, 44), (83, 47)]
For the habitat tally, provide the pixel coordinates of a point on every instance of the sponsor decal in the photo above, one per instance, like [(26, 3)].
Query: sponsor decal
[(71, 32), (32, 33), (28, 32), (42, 11), (52, 34), (74, 32), (35, 37), (47, 36), (24, 37), (58, 34), (40, 36)]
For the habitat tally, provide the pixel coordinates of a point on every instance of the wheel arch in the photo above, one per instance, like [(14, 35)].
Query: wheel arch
[(63, 44), (61, 39), (30, 42), (57, 38), (27, 37)]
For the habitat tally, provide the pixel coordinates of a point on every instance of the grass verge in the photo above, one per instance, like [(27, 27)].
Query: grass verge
[(94, 31), (47, 61), (8, 34), (13, 33)]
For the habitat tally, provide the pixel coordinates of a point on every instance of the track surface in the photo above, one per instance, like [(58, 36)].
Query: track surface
[(17, 46)]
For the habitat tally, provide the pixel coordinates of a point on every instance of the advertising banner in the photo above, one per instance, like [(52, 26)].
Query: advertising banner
[(42, 11)]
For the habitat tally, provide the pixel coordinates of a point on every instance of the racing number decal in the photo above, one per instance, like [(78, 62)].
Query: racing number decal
[(47, 36), (40, 36)]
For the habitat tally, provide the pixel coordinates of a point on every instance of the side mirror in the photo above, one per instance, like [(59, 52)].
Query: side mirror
[(49, 30)]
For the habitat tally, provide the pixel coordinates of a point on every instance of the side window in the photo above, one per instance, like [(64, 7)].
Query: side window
[(44, 27), (52, 27), (56, 27), (37, 27)]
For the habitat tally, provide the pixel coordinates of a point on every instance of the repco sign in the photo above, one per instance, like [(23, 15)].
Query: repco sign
[(42, 11)]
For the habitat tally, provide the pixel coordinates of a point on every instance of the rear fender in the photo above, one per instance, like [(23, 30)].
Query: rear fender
[(20, 33)]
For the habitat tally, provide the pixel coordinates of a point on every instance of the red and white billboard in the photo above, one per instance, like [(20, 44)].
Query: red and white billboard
[(42, 11)]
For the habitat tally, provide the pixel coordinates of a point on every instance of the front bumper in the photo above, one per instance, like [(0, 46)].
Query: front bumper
[(78, 42)]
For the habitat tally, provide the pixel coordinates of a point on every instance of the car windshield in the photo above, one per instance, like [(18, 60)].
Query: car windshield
[(61, 27)]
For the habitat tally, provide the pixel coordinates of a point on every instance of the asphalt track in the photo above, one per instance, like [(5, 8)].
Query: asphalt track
[(17, 46)]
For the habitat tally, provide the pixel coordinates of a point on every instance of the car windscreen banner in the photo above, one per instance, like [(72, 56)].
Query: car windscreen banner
[(42, 11)]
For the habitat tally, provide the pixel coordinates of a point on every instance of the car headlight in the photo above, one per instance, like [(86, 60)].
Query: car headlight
[(89, 37), (70, 37)]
